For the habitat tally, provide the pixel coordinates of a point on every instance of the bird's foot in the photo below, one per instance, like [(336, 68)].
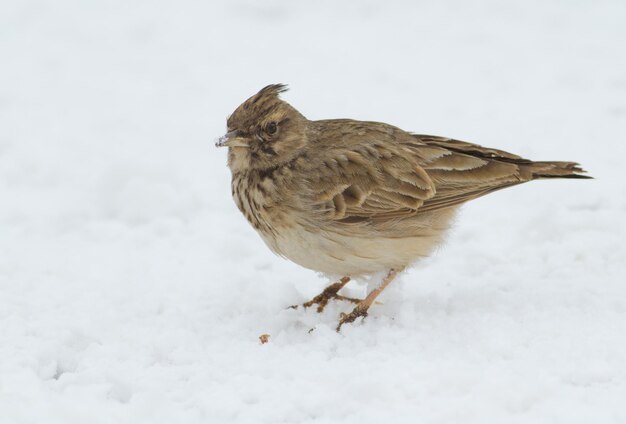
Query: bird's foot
[(358, 311), (329, 293)]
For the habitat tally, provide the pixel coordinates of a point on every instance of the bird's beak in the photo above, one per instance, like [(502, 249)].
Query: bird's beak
[(231, 139)]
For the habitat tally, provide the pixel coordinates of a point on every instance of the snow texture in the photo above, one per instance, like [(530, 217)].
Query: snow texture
[(133, 291)]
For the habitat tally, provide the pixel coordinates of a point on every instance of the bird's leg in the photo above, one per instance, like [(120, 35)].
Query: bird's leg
[(360, 310), (330, 292)]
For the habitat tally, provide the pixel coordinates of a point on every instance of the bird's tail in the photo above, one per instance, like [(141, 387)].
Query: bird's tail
[(541, 170)]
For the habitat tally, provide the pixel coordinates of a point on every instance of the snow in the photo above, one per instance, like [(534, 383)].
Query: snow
[(133, 291)]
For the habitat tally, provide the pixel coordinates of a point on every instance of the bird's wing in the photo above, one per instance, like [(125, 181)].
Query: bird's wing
[(369, 182), (390, 180), (463, 171)]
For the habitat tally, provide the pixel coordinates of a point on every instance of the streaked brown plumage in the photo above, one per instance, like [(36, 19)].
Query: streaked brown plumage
[(352, 198)]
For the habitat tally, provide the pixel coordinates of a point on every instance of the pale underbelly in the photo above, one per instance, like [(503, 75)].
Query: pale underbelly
[(338, 253)]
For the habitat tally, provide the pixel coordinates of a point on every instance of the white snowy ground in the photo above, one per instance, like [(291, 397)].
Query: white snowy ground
[(132, 291)]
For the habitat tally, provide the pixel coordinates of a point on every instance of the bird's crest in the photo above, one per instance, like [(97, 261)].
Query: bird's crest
[(262, 103)]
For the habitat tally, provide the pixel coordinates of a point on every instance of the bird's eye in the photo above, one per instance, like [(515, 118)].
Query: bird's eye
[(271, 128)]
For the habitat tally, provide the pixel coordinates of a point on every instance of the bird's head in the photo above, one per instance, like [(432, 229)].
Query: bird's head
[(264, 131)]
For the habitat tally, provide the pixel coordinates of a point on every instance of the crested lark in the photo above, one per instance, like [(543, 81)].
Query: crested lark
[(352, 198)]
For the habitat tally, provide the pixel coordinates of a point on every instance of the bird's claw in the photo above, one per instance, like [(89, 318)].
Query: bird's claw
[(351, 317), (322, 299)]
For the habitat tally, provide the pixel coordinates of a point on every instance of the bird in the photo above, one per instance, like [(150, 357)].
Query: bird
[(349, 198)]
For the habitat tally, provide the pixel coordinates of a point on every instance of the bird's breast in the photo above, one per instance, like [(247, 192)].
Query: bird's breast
[(260, 201)]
